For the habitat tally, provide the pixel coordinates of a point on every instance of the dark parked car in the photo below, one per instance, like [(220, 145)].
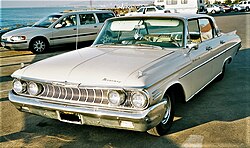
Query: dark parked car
[(226, 8)]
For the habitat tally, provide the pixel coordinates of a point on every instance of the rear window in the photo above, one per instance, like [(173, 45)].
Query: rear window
[(103, 16)]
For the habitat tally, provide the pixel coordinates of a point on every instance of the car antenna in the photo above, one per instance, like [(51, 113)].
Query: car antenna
[(77, 31)]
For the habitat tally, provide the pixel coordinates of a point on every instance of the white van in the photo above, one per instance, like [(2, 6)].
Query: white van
[(245, 4), (183, 6)]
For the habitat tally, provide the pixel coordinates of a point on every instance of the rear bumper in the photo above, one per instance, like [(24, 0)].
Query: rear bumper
[(79, 114)]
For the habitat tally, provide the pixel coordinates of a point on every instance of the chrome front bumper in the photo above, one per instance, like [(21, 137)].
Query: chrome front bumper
[(79, 114)]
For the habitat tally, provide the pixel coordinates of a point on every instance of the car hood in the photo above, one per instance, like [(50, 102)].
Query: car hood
[(24, 31), (93, 66)]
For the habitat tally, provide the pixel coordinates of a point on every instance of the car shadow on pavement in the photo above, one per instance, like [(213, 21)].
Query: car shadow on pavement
[(224, 101)]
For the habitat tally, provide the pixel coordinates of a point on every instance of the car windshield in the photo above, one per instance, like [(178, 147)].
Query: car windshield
[(47, 21), (162, 32)]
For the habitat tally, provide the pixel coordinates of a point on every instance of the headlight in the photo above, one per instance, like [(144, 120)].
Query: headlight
[(19, 86), (116, 97), (18, 38), (139, 99), (34, 89)]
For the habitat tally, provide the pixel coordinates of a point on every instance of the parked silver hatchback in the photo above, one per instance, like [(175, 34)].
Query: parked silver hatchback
[(57, 29)]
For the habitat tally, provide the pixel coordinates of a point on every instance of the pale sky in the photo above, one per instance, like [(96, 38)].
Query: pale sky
[(61, 3)]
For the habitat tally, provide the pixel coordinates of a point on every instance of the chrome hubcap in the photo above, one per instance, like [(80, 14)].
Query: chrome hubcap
[(168, 111), (39, 45)]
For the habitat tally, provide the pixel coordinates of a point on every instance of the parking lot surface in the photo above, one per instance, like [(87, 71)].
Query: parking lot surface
[(216, 117)]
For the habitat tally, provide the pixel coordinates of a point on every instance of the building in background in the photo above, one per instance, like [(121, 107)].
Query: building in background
[(182, 6)]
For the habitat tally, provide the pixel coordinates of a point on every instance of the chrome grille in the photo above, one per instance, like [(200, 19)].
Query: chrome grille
[(81, 95)]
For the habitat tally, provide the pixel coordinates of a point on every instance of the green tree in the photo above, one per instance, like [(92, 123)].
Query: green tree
[(236, 1), (228, 2)]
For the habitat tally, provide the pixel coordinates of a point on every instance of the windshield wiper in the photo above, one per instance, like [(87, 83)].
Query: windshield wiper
[(39, 26), (148, 45), (107, 44)]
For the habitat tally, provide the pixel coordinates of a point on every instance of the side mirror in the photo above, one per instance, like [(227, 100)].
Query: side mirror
[(193, 46), (218, 32), (58, 26)]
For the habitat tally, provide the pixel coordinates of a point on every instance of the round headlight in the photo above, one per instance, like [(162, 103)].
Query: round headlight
[(19, 86), (139, 100), (116, 97), (33, 88)]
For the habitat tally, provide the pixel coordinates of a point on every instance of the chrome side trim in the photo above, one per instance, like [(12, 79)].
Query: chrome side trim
[(204, 63)]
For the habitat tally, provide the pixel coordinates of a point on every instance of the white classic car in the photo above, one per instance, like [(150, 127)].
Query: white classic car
[(213, 8), (131, 76), (148, 10), (57, 29)]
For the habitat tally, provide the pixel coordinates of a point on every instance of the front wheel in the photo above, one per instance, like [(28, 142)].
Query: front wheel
[(164, 126), (213, 11), (247, 9), (38, 45)]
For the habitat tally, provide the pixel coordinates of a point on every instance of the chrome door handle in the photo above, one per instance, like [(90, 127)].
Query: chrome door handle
[(222, 42), (196, 59), (209, 48)]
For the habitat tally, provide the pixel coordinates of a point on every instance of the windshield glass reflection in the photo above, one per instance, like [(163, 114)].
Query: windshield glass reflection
[(155, 32), (47, 21)]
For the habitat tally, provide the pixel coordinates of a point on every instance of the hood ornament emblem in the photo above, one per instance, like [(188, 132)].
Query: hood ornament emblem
[(140, 74), (110, 80)]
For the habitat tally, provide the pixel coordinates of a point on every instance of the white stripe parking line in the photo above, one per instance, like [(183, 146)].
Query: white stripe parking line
[(193, 141)]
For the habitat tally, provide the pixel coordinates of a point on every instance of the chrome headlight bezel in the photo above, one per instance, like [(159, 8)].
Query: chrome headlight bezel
[(139, 99), (34, 88), (19, 86), (116, 97)]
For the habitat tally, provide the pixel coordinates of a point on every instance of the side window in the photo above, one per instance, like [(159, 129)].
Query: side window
[(151, 9), (194, 31), (87, 19), (171, 2), (103, 16), (206, 29), (184, 1), (141, 10), (67, 21)]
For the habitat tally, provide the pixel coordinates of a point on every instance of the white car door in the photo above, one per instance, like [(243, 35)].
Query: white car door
[(220, 47), (200, 72), (65, 31)]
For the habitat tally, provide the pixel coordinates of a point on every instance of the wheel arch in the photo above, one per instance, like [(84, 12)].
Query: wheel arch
[(39, 37), (177, 90), (228, 60)]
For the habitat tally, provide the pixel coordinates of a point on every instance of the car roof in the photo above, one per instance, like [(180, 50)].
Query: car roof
[(147, 6), (182, 16), (66, 12)]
